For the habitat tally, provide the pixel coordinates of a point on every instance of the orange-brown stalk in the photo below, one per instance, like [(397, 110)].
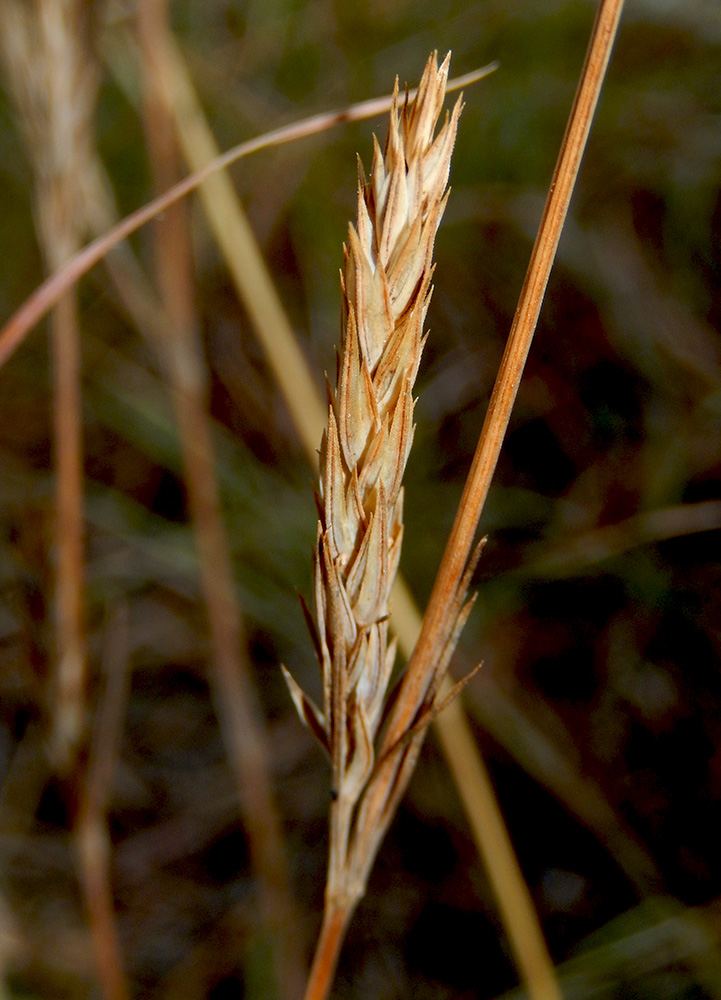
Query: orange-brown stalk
[(440, 626), (438, 623)]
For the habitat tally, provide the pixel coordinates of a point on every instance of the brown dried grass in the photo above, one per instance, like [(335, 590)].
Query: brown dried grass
[(357, 544), (386, 289), (44, 47), (367, 594)]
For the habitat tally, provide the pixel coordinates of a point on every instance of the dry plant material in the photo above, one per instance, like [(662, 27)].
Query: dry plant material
[(386, 287), (45, 49), (47, 294), (53, 76), (235, 694)]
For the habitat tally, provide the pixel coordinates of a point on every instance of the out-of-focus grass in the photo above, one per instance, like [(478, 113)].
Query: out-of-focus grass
[(613, 665)]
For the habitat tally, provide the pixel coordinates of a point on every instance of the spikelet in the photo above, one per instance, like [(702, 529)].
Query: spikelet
[(386, 287)]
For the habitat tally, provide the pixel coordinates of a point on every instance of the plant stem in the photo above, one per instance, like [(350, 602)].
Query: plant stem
[(462, 535), (527, 938), (234, 692), (71, 652), (513, 898), (93, 842), (327, 949), (47, 294)]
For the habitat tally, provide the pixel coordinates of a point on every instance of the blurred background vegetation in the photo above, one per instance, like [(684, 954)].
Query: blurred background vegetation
[(598, 620)]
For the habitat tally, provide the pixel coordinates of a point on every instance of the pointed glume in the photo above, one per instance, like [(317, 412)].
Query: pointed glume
[(386, 289)]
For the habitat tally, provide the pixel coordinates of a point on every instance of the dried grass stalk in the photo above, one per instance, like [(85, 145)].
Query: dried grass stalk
[(45, 49), (386, 288)]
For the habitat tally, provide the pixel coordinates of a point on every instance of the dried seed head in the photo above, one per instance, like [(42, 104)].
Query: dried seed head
[(386, 285)]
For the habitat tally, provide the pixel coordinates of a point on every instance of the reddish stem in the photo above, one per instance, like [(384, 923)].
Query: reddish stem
[(327, 949), (436, 623)]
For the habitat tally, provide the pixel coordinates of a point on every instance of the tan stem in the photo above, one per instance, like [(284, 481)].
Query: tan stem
[(93, 842), (460, 542), (531, 952), (69, 582), (332, 932), (235, 696), (512, 896)]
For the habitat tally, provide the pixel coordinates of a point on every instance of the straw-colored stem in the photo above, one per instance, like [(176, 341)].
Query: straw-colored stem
[(49, 70), (516, 907), (244, 258), (235, 238), (462, 535), (92, 836), (327, 951), (237, 704), (437, 624), (235, 696), (69, 699)]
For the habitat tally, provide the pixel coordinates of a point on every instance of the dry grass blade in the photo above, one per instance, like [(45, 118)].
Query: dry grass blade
[(356, 830), (235, 695), (46, 56), (437, 624), (51, 291), (255, 287)]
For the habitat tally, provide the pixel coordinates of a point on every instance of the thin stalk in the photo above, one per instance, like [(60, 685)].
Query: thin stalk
[(460, 542), (528, 943), (515, 905), (69, 681), (49, 69), (235, 696), (330, 940), (235, 237), (93, 838), (47, 294), (250, 274)]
